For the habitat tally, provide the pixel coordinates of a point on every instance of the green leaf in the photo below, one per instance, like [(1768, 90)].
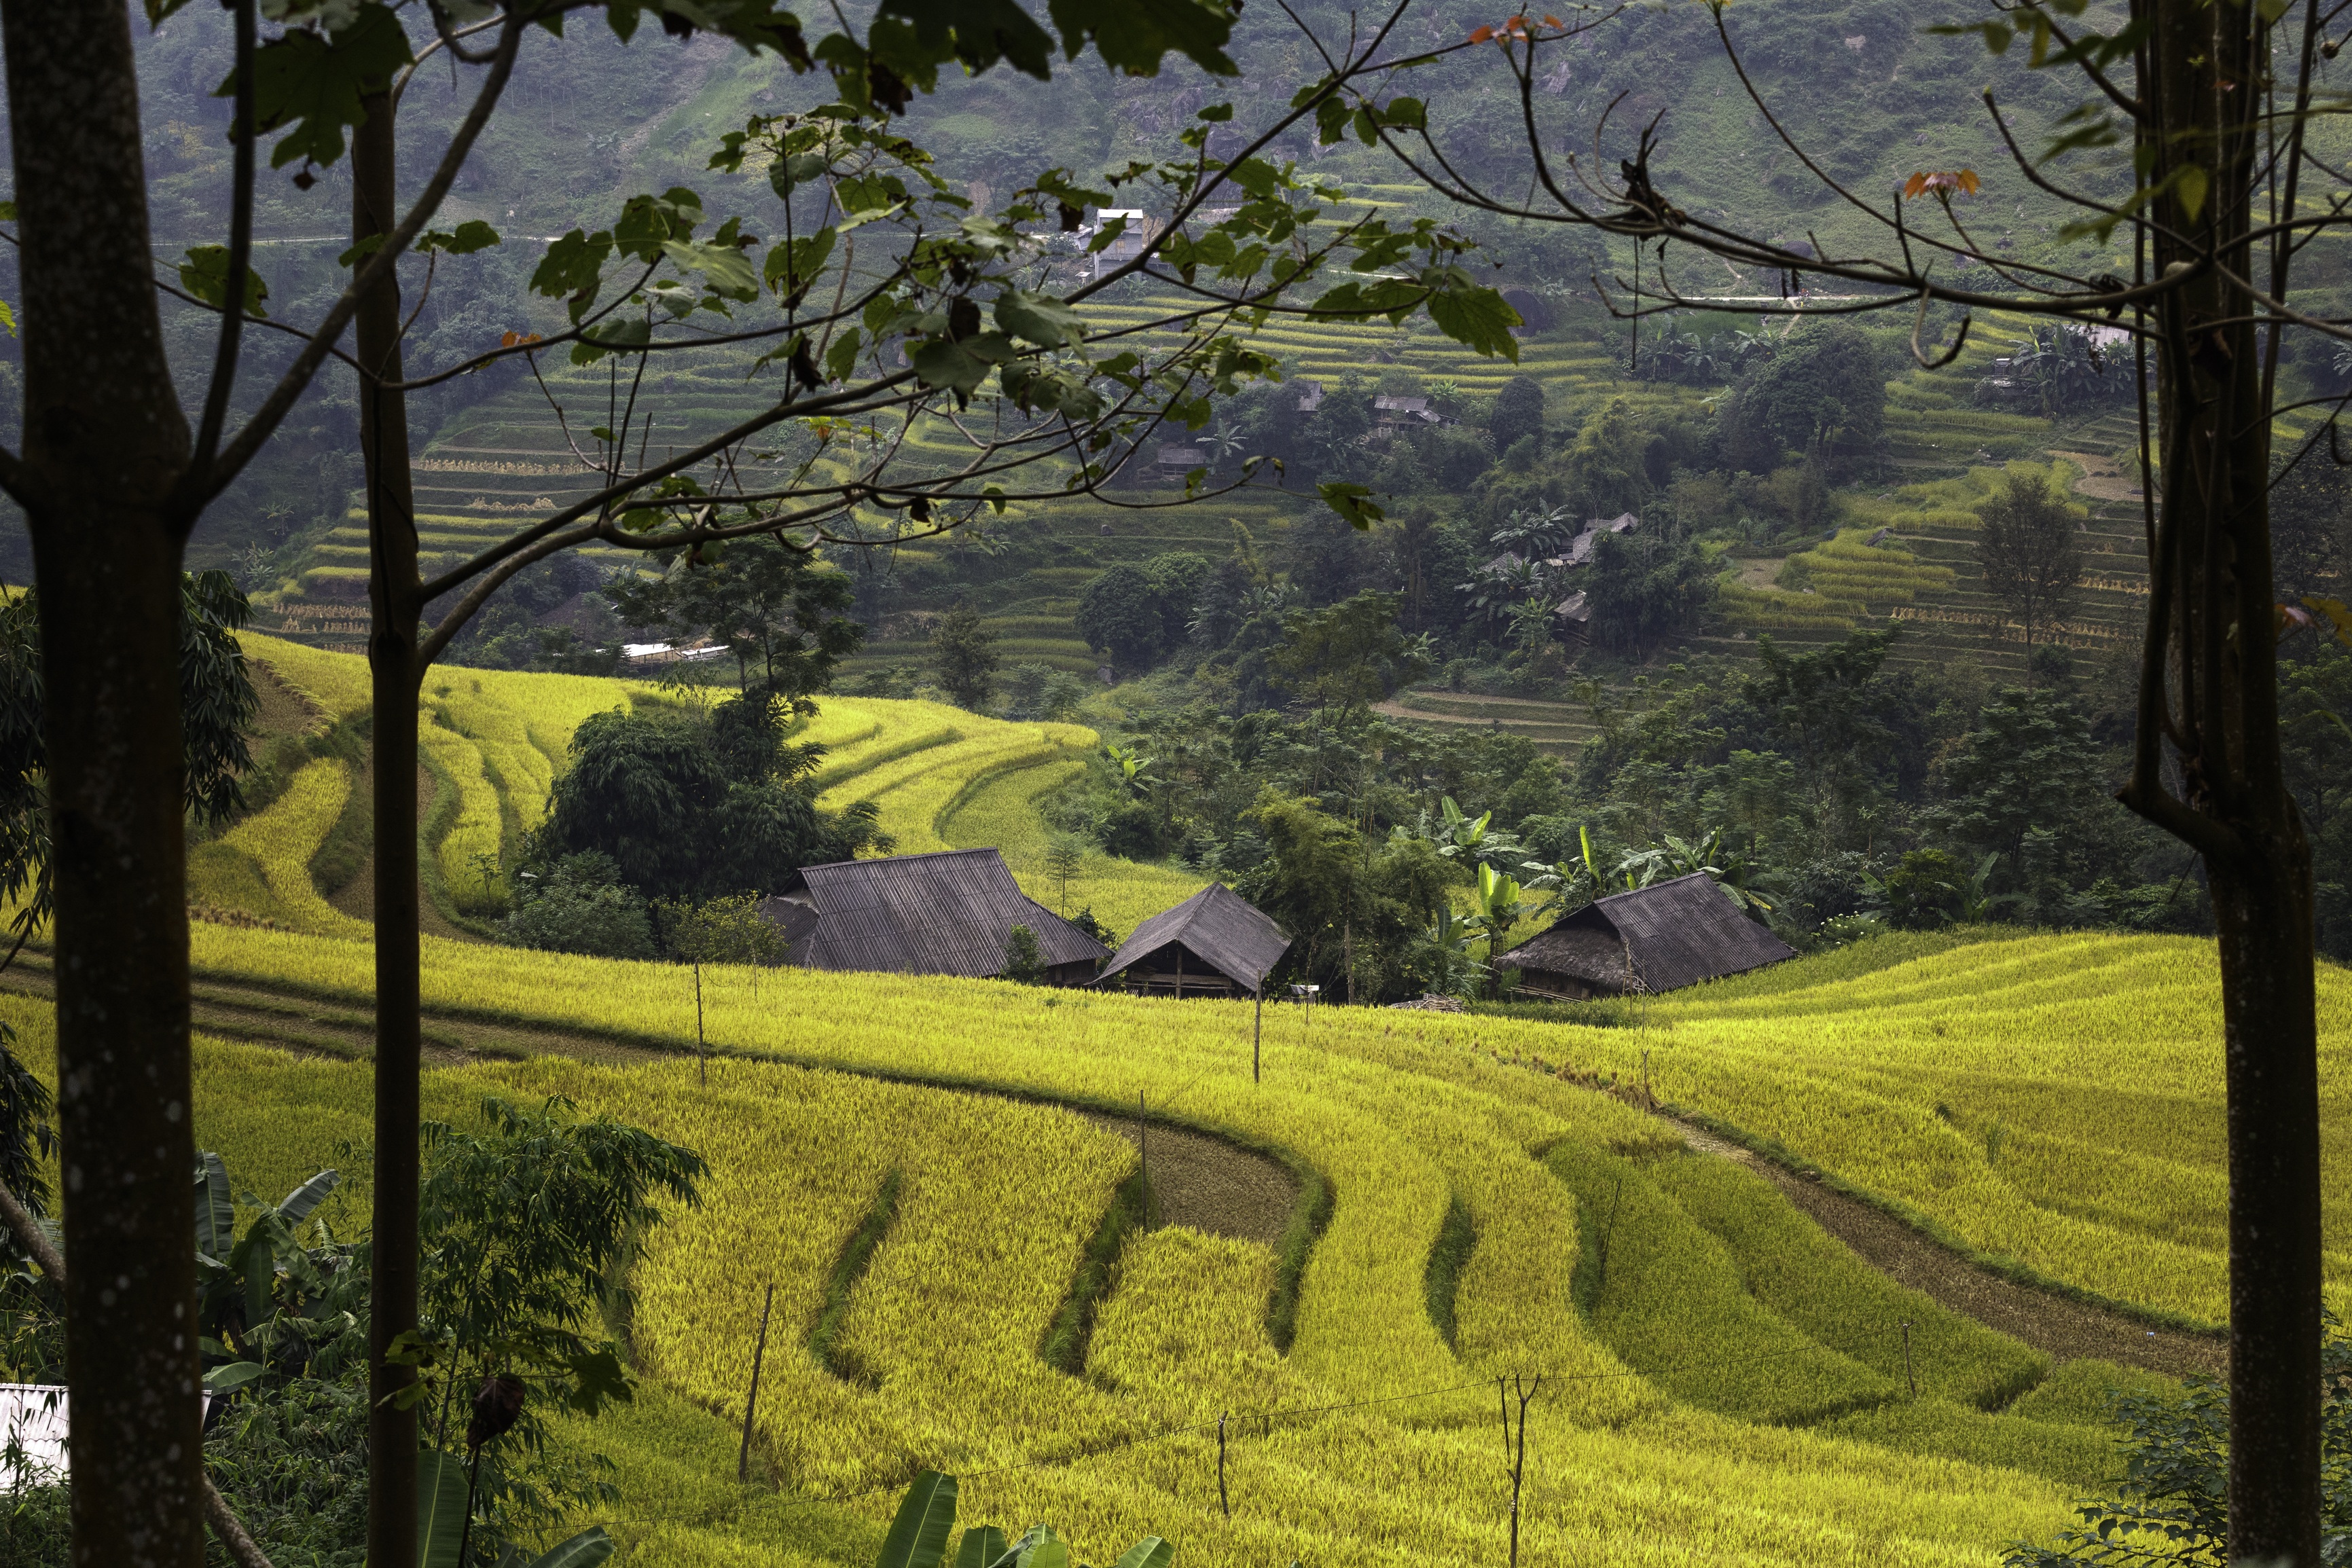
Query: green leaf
[(787, 175), (980, 1547), (258, 1266), (1040, 319), (1478, 318), (598, 1380), (298, 1203), (976, 34), (1352, 502), (918, 1535), (216, 1208), (794, 266), (472, 235), (1134, 36), (221, 1380), (1149, 1552), (310, 85), (725, 270), (960, 366), (2189, 184), (842, 357), (573, 265), (206, 274), (440, 1507), (585, 1550)]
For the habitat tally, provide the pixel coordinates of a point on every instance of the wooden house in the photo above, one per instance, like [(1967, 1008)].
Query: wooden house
[(1655, 939), (1214, 944), (946, 914)]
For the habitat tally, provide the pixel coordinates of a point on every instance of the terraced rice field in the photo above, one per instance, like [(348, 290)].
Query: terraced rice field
[(1724, 1383), (494, 741)]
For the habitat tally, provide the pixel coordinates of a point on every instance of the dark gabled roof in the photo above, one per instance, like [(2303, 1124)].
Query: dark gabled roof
[(945, 914), (1675, 933), (1216, 925)]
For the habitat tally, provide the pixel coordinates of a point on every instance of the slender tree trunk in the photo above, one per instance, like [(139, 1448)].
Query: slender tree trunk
[(104, 442), (2210, 684), (395, 606)]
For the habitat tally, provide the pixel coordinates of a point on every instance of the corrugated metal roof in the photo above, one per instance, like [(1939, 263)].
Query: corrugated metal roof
[(945, 914), (1676, 934), (1215, 923), (32, 1420)]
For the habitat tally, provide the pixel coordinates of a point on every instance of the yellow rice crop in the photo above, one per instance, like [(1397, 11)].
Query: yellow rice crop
[(999, 1199), (338, 683), (282, 839)]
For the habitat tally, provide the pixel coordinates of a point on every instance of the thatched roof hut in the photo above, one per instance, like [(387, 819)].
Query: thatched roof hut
[(946, 914), (1655, 939), (1214, 944)]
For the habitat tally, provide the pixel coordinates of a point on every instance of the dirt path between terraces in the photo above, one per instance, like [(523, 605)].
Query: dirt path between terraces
[(1197, 1180), (2057, 1326)]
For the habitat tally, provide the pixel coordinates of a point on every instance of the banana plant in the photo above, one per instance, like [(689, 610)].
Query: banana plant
[(926, 1519), (1576, 882), (1132, 767), (1499, 902), (265, 1299), (1457, 970), (1730, 871), (1976, 904)]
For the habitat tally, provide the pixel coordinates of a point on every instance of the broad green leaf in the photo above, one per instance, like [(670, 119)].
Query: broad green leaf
[(1352, 502), (1149, 1552), (473, 234), (792, 267), (585, 1550), (573, 265), (256, 1263), (216, 1208), (976, 34), (2190, 183), (440, 1507), (298, 1203), (960, 366), (1134, 36), (842, 357), (918, 1535), (220, 1380), (982, 1547), (310, 85), (788, 173), (598, 1379), (206, 274), (1040, 319), (727, 271), (1479, 318)]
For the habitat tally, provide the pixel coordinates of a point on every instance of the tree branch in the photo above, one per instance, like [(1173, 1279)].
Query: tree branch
[(280, 401)]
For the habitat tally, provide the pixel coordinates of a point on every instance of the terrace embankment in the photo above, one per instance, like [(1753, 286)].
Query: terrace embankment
[(1208, 1184), (1197, 1180), (2061, 1328)]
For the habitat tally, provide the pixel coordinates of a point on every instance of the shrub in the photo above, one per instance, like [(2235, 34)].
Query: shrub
[(582, 907)]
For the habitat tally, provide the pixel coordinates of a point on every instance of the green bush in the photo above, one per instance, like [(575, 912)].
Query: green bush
[(581, 905)]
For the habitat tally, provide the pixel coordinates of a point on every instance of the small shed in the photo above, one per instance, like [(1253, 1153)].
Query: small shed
[(1214, 944), (1580, 549), (951, 913), (1655, 938)]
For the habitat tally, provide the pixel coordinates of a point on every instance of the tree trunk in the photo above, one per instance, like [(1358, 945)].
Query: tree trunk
[(104, 444), (2210, 682), (395, 606)]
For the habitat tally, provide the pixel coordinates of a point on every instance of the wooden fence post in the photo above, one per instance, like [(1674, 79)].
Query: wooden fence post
[(752, 1404), (1224, 1501)]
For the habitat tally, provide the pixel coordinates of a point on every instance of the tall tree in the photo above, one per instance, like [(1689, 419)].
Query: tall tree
[(2216, 105), (2032, 566), (963, 657)]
